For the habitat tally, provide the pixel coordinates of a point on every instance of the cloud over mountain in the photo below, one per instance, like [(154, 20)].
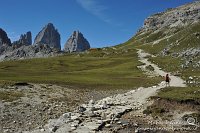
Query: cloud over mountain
[(96, 8)]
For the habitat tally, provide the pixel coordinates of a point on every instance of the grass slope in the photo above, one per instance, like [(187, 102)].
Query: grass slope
[(177, 40), (181, 94), (101, 69)]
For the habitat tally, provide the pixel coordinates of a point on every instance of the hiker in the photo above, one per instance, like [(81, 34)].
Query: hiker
[(167, 80)]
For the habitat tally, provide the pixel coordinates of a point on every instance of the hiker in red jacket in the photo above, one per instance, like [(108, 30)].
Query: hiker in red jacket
[(167, 80)]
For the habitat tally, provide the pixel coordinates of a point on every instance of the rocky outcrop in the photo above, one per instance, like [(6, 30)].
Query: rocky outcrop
[(25, 39), (76, 43), (27, 52), (48, 36), (180, 16), (47, 43), (4, 40)]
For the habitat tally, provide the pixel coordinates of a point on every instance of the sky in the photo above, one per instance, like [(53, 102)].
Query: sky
[(102, 22)]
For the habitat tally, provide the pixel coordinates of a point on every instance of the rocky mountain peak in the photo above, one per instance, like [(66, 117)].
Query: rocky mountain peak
[(48, 36), (173, 17), (76, 43), (25, 39), (4, 40), (49, 25)]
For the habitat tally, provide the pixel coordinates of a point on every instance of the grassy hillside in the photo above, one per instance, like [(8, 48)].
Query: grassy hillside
[(171, 100), (102, 68), (176, 40), (181, 94)]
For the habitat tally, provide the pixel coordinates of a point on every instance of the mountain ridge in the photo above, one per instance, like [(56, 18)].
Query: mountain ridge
[(173, 17), (46, 44)]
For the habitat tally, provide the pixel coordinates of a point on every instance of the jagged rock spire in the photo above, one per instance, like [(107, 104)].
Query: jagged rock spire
[(48, 36), (76, 43)]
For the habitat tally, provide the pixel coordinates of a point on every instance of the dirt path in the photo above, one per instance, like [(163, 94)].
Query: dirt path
[(103, 113), (175, 81)]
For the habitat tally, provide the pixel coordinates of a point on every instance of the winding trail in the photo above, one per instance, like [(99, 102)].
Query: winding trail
[(175, 81), (95, 115)]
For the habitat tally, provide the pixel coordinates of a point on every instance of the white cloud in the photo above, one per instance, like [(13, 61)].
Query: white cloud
[(99, 10), (95, 8)]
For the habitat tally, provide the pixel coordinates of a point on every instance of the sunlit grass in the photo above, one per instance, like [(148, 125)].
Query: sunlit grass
[(84, 70)]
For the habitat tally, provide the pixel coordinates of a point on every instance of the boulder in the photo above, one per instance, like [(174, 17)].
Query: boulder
[(76, 43), (48, 36)]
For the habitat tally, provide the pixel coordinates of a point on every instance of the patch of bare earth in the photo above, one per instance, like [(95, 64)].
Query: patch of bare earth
[(163, 116), (41, 102)]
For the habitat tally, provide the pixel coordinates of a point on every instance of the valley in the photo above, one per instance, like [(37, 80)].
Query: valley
[(116, 89)]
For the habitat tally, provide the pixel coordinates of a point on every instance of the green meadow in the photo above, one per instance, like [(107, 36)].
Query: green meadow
[(102, 69)]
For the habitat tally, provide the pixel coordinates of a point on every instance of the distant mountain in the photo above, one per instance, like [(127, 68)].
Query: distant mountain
[(46, 43), (76, 43), (48, 36), (4, 40), (25, 39)]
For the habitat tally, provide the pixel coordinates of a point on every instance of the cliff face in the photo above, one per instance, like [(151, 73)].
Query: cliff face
[(76, 43), (4, 40), (177, 17), (48, 36)]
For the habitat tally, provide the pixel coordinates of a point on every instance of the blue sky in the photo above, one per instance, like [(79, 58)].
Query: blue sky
[(103, 22)]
